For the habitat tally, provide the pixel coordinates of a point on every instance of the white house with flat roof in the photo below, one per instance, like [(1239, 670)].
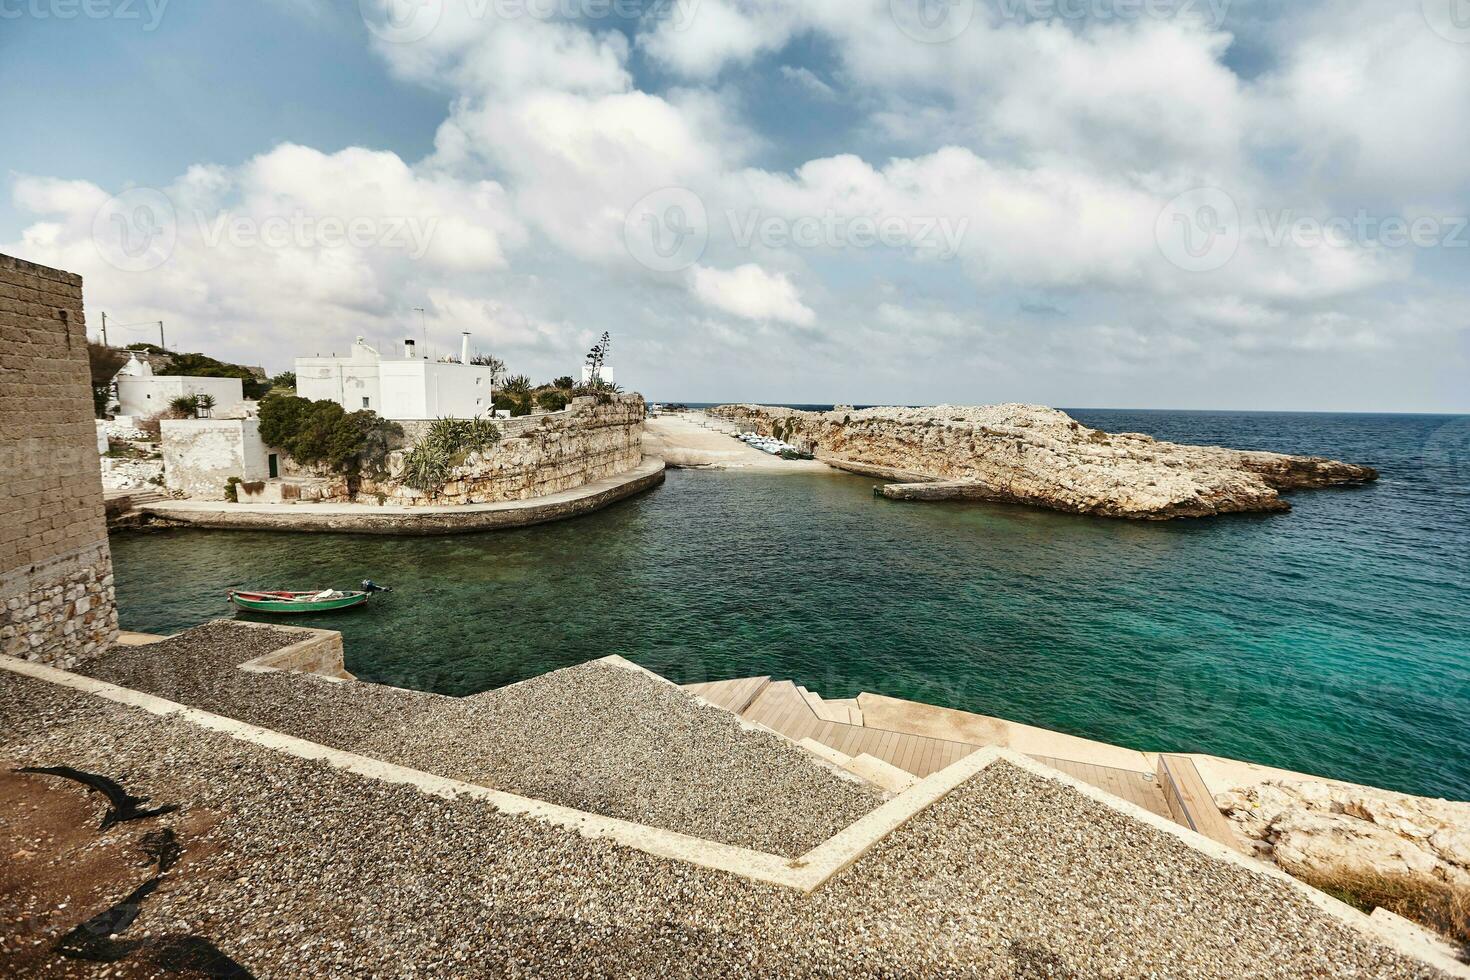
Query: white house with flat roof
[(142, 393), (402, 389)]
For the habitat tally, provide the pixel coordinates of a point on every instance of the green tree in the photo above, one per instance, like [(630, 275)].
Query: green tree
[(104, 363), (204, 366), (286, 381), (320, 433)]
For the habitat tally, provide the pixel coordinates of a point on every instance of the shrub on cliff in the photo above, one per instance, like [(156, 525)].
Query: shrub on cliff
[(553, 399), (515, 404), (603, 391), (320, 433)]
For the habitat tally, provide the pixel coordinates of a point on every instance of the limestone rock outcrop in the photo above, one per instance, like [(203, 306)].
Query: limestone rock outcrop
[(1040, 456), (1319, 829)]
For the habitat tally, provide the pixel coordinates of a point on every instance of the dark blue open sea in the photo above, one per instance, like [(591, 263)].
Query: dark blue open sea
[(1334, 639)]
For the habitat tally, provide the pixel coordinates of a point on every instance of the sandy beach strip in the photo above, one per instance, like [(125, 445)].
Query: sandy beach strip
[(693, 440)]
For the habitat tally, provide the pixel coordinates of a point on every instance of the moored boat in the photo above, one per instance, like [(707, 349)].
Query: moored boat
[(279, 601)]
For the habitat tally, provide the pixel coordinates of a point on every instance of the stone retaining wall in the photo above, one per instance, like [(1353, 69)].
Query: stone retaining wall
[(56, 597), (537, 455)]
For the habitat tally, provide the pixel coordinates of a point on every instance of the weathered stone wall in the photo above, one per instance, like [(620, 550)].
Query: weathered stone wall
[(56, 596), (200, 455), (537, 455)]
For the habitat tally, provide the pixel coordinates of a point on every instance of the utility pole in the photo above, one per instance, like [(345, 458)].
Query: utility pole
[(161, 343), (104, 329), (424, 324)]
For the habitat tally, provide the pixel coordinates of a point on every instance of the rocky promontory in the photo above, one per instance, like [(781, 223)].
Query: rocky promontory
[(1030, 454)]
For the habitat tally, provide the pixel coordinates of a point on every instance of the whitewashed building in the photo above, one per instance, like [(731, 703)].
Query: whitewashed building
[(402, 389), (606, 374), (200, 455), (141, 393)]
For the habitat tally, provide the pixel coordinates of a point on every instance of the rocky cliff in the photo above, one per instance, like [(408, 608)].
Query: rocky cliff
[(1325, 830), (1039, 456)]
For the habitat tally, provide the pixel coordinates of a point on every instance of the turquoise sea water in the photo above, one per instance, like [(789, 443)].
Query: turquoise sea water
[(1334, 639)]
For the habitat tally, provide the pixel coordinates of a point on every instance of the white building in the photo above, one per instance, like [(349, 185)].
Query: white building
[(606, 374), (141, 393), (200, 455), (400, 389)]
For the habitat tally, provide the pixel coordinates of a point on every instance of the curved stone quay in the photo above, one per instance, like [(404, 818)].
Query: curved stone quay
[(372, 519)]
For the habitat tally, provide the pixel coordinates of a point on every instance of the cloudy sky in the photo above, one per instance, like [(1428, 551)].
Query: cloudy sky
[(1255, 204)]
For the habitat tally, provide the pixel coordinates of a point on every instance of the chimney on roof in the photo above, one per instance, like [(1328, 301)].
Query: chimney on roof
[(408, 349), (464, 347)]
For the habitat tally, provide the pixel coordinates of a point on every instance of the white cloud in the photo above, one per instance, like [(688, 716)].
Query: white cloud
[(293, 247), (750, 292), (807, 80), (1040, 155)]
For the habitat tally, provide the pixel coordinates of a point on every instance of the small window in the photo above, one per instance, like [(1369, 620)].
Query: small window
[(365, 403)]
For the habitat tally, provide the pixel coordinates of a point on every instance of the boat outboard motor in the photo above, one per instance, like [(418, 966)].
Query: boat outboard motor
[(368, 585)]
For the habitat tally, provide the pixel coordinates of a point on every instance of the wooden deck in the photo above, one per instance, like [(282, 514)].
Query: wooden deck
[(784, 707), (1190, 802), (731, 695)]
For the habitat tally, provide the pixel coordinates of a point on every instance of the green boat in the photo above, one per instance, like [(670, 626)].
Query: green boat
[(328, 600)]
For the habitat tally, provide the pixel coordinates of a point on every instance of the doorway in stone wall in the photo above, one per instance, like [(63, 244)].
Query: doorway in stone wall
[(273, 464)]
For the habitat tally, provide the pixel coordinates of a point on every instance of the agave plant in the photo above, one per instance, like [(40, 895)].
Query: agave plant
[(446, 444), (426, 468)]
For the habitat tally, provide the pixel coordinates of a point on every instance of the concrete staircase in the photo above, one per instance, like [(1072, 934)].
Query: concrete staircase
[(868, 768), (843, 710), (893, 759), (124, 508)]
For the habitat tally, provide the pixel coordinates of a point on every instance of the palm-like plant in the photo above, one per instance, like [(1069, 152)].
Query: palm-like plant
[(445, 445), (184, 407)]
